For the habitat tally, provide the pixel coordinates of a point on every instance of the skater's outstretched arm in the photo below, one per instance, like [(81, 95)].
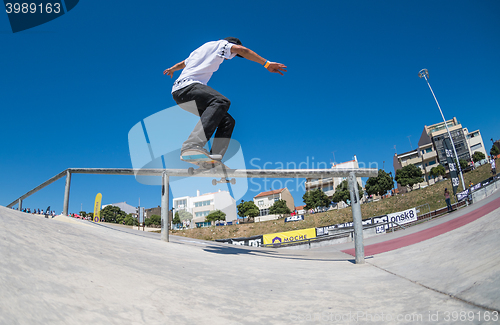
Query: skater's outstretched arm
[(170, 71), (252, 56)]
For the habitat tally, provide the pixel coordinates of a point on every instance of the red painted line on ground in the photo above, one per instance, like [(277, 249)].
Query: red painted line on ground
[(428, 233)]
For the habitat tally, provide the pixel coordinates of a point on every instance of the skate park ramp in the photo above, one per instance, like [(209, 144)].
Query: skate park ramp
[(66, 271)]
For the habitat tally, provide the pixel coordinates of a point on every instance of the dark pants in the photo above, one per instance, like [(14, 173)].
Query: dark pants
[(211, 106), (449, 205)]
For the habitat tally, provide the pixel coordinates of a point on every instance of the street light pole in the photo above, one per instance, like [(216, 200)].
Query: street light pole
[(425, 74)]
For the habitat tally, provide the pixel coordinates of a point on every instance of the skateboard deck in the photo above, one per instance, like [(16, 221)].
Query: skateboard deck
[(207, 165)]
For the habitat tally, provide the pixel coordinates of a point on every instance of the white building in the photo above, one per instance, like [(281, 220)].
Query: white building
[(430, 152), (265, 200), (127, 208), (201, 205), (328, 185), (475, 142)]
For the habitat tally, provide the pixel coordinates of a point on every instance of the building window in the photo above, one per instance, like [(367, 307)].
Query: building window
[(263, 212), (260, 203), (426, 151), (180, 203), (476, 147), (202, 213), (432, 162), (202, 203)]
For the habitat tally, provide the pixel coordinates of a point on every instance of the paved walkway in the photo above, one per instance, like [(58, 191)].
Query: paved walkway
[(422, 235), (56, 272)]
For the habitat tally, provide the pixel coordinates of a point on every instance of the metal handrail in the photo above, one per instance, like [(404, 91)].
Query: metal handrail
[(244, 173)]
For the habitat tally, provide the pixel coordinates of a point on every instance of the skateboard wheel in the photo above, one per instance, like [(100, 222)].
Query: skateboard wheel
[(214, 182), (191, 171), (233, 181)]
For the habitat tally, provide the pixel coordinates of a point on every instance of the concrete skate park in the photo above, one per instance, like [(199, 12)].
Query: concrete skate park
[(66, 271)]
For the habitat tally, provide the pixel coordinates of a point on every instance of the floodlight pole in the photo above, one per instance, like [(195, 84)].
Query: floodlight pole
[(424, 73)]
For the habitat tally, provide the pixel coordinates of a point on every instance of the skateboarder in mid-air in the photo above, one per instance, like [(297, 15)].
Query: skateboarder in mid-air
[(191, 93)]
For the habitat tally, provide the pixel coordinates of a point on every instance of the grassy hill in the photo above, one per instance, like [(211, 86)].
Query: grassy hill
[(433, 195)]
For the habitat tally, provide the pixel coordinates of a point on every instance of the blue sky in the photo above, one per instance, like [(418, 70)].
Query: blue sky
[(73, 88)]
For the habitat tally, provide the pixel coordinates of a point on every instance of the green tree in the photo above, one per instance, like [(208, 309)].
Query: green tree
[(247, 209), (409, 175), (494, 151), (113, 214), (130, 220), (154, 220), (184, 215), (439, 170), (463, 164), (176, 219), (342, 192), (379, 185), (279, 207), (478, 156), (315, 199), (215, 215)]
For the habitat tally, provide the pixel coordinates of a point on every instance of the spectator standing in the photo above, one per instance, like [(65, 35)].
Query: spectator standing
[(447, 199)]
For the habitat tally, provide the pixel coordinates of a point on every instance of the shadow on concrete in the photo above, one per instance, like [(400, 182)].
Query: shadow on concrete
[(279, 255)]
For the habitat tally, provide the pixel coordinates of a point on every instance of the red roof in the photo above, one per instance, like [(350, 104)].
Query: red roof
[(269, 193), (300, 207)]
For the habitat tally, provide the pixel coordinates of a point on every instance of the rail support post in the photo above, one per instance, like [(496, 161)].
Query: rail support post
[(164, 206), (66, 193), (357, 219), (19, 205)]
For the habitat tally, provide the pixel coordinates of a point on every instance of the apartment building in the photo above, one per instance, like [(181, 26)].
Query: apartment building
[(265, 200), (430, 151), (328, 185), (475, 142), (202, 204)]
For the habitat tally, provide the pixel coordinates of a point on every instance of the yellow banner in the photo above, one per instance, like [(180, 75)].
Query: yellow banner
[(289, 236), (97, 207)]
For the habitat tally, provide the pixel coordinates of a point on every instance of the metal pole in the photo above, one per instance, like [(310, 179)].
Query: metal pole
[(66, 193), (424, 75), (164, 207), (356, 218), (20, 205)]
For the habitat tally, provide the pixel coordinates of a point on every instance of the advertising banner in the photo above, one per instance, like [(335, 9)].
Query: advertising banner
[(381, 219), (463, 195), (97, 208), (351, 225), (403, 217), (448, 149), (323, 231), (289, 236), (255, 241), (294, 218)]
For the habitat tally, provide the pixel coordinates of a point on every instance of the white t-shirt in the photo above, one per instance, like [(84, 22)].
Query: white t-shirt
[(203, 62)]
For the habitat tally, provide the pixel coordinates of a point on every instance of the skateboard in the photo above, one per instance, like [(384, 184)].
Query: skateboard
[(213, 166)]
